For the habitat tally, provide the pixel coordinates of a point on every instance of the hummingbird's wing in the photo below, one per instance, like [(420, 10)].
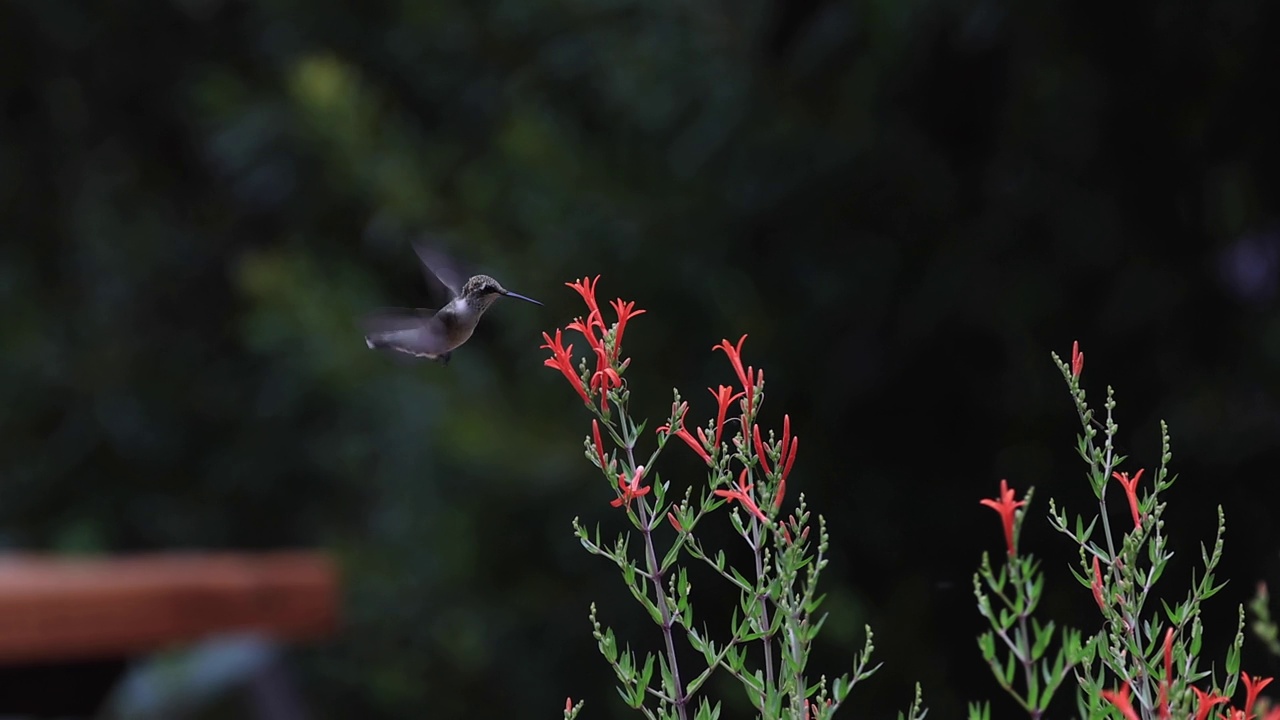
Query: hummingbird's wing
[(416, 332), (441, 270)]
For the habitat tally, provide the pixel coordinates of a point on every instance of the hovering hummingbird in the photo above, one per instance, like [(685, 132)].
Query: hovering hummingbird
[(435, 334)]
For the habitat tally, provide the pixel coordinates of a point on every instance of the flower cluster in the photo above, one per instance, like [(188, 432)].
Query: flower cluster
[(709, 443), (595, 385), (1122, 698), (605, 343)]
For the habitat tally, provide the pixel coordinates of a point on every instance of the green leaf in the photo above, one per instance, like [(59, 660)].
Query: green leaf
[(840, 688), (987, 645), (668, 677), (1033, 690), (1158, 569), (812, 605), (1214, 590), (646, 674), (1043, 636), (670, 558), (707, 712)]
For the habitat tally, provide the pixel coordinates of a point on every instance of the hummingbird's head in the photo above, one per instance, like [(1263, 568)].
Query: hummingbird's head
[(483, 290), (482, 286)]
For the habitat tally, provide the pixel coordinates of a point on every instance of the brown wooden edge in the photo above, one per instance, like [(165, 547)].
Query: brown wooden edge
[(55, 608)]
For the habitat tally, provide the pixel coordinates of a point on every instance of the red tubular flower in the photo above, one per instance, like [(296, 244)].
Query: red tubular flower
[(1205, 702), (742, 493), (674, 522), (816, 709), (605, 378), (1252, 686), (1168, 674), (786, 459), (1097, 583), (595, 432), (724, 398), (630, 489), (747, 376), (782, 482), (703, 441), (764, 460), (587, 331), (735, 358), (1006, 506), (1121, 701), (684, 435), (586, 287), (562, 360), (1131, 492), (1077, 360), (625, 312)]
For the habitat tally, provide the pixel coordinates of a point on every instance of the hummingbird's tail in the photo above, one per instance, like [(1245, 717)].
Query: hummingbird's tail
[(415, 333), (391, 347)]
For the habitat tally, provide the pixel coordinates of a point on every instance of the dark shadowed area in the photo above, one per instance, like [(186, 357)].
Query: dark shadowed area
[(906, 206)]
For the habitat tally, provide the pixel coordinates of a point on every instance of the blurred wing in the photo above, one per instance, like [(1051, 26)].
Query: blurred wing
[(441, 270), (415, 332), (393, 313)]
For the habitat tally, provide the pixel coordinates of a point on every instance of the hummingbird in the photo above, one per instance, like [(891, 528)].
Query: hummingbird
[(430, 333)]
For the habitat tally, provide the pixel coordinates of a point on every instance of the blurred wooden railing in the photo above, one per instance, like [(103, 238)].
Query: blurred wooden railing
[(62, 611), (55, 608)]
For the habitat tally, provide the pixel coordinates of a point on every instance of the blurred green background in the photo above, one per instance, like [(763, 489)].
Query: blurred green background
[(905, 204)]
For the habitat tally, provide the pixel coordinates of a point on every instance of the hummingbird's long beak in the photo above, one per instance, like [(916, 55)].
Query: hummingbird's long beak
[(518, 296)]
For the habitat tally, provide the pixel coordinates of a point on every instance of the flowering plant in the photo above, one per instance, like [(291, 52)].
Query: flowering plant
[(765, 645), (1144, 662)]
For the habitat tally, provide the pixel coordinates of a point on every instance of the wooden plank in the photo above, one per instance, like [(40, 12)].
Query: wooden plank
[(55, 608)]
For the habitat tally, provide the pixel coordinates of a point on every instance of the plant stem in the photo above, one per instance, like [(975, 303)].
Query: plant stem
[(1028, 664), (655, 574), (767, 639)]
